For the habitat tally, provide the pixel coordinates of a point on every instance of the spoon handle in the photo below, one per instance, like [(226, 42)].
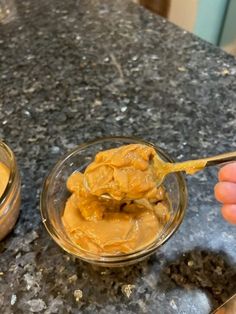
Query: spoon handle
[(219, 159), (193, 166)]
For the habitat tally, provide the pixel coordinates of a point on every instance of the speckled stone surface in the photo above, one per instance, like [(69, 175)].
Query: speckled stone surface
[(77, 70)]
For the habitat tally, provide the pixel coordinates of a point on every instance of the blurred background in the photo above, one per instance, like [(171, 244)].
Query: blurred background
[(212, 20)]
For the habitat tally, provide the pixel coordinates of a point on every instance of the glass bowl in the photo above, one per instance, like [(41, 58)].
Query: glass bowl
[(55, 194), (10, 199)]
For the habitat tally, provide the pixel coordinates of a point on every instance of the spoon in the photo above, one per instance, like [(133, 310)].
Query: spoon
[(162, 168)]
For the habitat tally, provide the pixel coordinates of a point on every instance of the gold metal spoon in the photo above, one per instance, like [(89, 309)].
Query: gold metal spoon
[(162, 168)]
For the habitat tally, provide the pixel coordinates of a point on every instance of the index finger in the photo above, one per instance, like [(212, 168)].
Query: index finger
[(228, 173)]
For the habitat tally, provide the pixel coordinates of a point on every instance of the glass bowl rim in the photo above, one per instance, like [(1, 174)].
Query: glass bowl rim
[(107, 259)]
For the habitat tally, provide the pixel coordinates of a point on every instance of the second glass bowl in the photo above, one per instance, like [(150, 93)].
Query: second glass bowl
[(10, 198), (55, 194)]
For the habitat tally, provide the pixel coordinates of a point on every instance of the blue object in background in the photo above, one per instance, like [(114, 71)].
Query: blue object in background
[(228, 35), (210, 19)]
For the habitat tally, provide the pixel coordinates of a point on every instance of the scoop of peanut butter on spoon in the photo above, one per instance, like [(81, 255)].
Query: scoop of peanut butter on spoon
[(135, 171)]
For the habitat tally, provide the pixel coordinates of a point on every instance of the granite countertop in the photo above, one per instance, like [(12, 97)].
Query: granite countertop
[(77, 70)]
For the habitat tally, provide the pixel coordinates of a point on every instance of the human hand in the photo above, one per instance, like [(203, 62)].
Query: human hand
[(225, 191)]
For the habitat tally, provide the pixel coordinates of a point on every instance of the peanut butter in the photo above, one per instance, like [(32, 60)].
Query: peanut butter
[(124, 172), (4, 177), (134, 216), (10, 199)]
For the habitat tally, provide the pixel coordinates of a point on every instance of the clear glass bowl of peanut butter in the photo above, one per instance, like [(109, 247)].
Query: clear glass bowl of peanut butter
[(9, 190), (100, 202)]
